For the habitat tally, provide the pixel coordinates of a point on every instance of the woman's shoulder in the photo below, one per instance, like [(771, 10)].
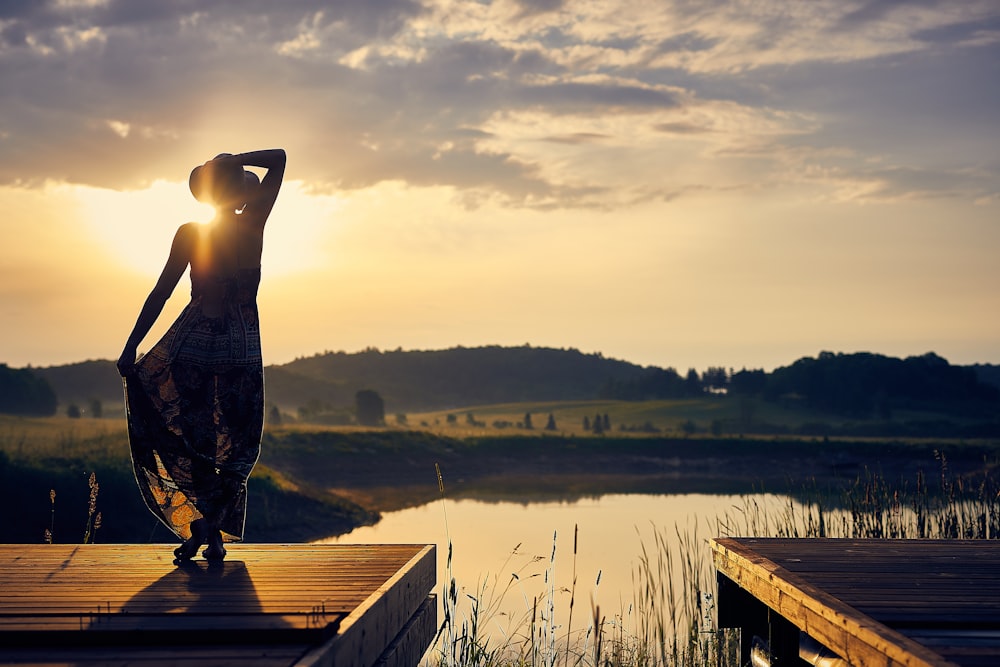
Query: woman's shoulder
[(190, 230), (186, 238)]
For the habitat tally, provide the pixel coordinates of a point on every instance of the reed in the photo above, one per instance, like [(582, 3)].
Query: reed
[(93, 516)]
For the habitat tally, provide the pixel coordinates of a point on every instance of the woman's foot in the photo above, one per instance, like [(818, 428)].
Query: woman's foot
[(215, 550), (189, 549)]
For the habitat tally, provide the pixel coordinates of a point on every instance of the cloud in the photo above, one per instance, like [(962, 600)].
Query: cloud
[(967, 33), (534, 7), (119, 94), (576, 138), (870, 11)]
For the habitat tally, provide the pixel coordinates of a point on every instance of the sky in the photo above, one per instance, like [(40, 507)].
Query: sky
[(674, 183)]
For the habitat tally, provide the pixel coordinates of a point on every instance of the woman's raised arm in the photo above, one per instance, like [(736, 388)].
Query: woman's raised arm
[(260, 203)]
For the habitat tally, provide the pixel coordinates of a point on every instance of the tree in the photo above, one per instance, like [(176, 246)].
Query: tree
[(274, 416), (598, 425), (715, 378), (22, 392), (692, 383), (369, 407), (748, 383), (586, 423), (651, 383), (527, 421), (96, 408), (73, 411), (550, 425)]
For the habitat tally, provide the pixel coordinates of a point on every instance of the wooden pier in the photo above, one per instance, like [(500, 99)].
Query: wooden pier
[(266, 605), (919, 603)]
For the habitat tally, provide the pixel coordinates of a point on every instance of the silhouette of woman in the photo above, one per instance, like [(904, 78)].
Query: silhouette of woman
[(195, 401)]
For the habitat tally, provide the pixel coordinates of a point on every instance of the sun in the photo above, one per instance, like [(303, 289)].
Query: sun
[(137, 226)]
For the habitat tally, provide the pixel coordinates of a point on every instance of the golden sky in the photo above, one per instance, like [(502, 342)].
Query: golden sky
[(677, 184)]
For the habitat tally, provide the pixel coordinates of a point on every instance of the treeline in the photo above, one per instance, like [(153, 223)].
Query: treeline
[(854, 385), (664, 383), (22, 392), (863, 384), (324, 388)]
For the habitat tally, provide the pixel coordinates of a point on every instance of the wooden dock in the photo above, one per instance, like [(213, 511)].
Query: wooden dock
[(267, 605), (919, 603)]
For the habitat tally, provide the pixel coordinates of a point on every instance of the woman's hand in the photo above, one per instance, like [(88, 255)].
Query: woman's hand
[(260, 198), (126, 362)]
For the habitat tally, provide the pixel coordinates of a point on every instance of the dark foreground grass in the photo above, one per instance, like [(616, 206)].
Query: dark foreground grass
[(72, 482)]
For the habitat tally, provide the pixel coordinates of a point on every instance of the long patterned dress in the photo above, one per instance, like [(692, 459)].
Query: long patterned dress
[(195, 405)]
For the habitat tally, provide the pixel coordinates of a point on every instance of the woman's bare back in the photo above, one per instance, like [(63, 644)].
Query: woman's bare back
[(222, 252)]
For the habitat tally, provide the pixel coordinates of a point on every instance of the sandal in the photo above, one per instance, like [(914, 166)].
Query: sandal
[(186, 551), (215, 551), (189, 549)]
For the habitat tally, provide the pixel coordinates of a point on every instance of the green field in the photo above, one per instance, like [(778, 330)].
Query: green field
[(710, 415)]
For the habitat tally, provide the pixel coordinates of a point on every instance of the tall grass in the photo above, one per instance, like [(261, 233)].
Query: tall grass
[(670, 620), (873, 507)]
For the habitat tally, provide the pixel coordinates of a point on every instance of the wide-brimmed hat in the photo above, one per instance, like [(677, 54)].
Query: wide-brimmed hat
[(219, 183)]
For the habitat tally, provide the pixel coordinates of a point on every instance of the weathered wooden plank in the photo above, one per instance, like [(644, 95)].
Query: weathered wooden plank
[(855, 636), (411, 643), (199, 628), (375, 623), (129, 604), (150, 656)]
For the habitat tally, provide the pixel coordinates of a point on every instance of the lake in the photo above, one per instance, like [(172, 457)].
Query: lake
[(639, 557), (502, 551)]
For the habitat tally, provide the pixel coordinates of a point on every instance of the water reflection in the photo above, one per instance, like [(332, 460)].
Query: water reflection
[(494, 540)]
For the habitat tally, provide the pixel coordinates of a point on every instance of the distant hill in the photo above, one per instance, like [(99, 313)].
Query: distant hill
[(407, 380), (84, 382), (413, 381), (441, 379), (987, 374)]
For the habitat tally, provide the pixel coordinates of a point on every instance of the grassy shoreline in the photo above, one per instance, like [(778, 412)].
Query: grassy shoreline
[(42, 456), (316, 482), (392, 469)]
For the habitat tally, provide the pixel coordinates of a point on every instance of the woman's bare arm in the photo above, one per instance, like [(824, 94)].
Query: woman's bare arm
[(180, 256), (262, 200)]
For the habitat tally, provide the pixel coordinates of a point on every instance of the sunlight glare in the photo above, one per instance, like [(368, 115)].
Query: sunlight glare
[(137, 226)]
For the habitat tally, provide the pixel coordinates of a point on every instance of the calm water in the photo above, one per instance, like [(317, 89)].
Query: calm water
[(493, 541)]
